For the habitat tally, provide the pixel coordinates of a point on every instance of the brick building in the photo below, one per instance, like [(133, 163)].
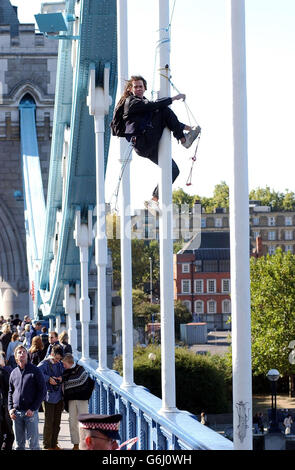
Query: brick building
[(202, 278), (276, 229)]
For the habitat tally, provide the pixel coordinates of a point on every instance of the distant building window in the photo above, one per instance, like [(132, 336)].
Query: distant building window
[(289, 235), (271, 235), (199, 306), (225, 285), (210, 266), (188, 305), (224, 266), (203, 222), (185, 268), (288, 220), (255, 220), (226, 306), (256, 234), (289, 248), (185, 286), (271, 221), (199, 286), (211, 285), (211, 306), (218, 222), (198, 266), (271, 249)]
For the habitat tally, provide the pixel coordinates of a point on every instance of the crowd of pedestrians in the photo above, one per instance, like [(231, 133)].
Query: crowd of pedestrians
[(38, 373)]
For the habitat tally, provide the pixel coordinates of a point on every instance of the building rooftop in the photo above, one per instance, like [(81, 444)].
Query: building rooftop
[(207, 241), (8, 16)]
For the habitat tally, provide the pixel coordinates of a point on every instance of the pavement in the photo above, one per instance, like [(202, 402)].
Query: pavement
[(64, 440), (218, 343)]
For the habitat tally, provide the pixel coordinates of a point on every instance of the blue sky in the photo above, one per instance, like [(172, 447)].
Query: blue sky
[(200, 58)]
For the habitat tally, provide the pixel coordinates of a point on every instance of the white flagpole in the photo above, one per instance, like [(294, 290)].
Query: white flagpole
[(125, 226), (165, 227), (239, 239)]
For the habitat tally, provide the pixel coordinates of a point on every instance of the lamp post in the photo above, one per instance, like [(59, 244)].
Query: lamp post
[(273, 376), (151, 279)]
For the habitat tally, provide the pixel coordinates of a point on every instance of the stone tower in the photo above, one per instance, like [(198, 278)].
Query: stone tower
[(27, 67)]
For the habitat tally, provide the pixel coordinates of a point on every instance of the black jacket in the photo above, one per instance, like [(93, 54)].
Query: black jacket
[(4, 384), (139, 113), (77, 384)]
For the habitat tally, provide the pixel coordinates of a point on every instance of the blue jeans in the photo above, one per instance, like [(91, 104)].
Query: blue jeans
[(25, 427)]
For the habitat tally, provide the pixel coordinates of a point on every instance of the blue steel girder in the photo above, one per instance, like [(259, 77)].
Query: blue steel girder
[(98, 46)]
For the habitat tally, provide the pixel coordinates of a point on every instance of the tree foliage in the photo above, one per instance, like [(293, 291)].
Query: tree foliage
[(277, 200), (268, 197), (273, 312), (198, 378)]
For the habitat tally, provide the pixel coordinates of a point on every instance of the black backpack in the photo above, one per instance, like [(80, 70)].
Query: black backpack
[(118, 123)]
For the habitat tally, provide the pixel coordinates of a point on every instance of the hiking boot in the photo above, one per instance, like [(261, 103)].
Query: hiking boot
[(75, 447), (152, 206), (191, 136)]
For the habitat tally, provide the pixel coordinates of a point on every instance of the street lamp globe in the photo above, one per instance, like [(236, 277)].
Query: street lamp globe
[(273, 375)]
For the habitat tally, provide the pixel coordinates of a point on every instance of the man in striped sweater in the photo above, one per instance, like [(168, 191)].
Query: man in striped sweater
[(78, 387)]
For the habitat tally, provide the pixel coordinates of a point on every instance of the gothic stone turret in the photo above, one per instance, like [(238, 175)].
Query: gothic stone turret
[(27, 66)]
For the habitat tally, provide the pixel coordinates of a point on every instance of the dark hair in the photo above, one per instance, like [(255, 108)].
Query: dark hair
[(128, 85), (53, 333), (57, 349)]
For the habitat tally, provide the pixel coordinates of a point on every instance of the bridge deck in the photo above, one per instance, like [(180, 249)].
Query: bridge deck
[(64, 440)]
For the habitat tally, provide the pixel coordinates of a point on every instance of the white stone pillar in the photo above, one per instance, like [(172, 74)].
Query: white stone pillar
[(165, 227), (57, 324), (99, 102), (51, 324), (83, 238), (71, 306), (125, 225), (239, 239)]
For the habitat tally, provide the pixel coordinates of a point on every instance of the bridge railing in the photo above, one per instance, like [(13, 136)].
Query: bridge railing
[(143, 418)]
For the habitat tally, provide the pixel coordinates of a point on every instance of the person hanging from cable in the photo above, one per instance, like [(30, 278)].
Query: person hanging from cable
[(142, 123)]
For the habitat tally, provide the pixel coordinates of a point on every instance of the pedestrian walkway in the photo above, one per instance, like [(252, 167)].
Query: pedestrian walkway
[(64, 440)]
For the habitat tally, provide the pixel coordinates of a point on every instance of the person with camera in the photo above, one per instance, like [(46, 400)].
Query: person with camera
[(52, 369)]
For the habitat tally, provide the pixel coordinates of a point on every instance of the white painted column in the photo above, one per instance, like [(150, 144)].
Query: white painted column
[(51, 324), (57, 324), (99, 102), (71, 306), (239, 239), (125, 225), (83, 238), (165, 228)]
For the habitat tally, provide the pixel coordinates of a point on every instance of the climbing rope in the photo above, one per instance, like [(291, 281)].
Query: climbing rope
[(165, 72), (193, 158), (159, 44), (116, 192), (190, 118)]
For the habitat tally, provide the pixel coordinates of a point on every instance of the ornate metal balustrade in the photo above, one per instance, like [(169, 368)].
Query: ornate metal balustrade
[(142, 416)]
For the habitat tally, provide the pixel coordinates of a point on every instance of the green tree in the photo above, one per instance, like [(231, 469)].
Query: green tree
[(197, 378), (267, 197), (181, 315), (273, 312), (180, 197), (221, 195), (289, 201)]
